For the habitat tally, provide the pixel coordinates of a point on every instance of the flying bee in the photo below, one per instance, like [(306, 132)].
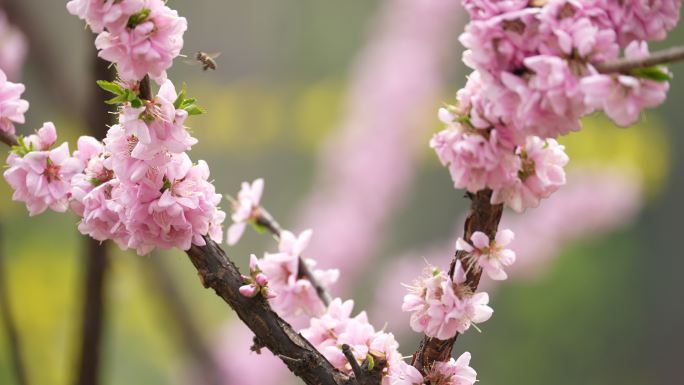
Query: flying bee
[(207, 60)]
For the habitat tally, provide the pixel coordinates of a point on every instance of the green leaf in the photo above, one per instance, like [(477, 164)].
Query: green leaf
[(136, 103), (655, 73), (371, 362), (116, 100), (194, 110), (22, 148), (110, 86), (138, 17), (180, 99)]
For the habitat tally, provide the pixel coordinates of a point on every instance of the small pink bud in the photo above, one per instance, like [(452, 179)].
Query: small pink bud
[(248, 290), (253, 263), (261, 279)]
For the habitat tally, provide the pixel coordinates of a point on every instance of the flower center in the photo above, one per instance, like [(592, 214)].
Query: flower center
[(51, 171)]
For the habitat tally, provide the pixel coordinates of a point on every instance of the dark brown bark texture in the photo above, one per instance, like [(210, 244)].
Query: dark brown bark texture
[(483, 217)]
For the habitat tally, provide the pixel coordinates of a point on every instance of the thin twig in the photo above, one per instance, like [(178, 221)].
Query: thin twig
[(625, 65), (483, 217), (266, 220), (358, 373), (10, 325)]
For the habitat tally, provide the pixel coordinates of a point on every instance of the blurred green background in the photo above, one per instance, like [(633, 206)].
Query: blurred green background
[(609, 310)]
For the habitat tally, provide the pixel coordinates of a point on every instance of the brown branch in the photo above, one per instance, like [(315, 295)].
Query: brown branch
[(10, 325), (483, 217), (367, 373), (181, 314), (266, 220), (95, 256), (216, 271), (625, 65), (8, 139)]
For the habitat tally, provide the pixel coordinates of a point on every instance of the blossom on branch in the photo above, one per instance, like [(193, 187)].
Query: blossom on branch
[(442, 307), (296, 294), (245, 209), (41, 176), (490, 256), (12, 107)]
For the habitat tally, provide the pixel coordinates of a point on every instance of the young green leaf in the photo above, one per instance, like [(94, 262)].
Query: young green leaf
[(110, 86), (655, 73)]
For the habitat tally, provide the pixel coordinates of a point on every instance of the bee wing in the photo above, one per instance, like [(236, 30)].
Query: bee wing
[(214, 55)]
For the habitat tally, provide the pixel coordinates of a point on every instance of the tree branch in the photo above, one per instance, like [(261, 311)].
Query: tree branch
[(665, 56), (10, 326), (483, 217), (266, 220), (8, 139), (216, 271)]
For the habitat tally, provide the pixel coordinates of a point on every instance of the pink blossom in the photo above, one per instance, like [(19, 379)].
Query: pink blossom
[(441, 307), (102, 216), (642, 19), (129, 169), (41, 177), (486, 9), (296, 295), (147, 48), (490, 256), (294, 245), (501, 43), (575, 29), (542, 172), (452, 372), (91, 154), (548, 102), (336, 327), (474, 160), (245, 208), (622, 97), (406, 374), (158, 125), (12, 108), (101, 14)]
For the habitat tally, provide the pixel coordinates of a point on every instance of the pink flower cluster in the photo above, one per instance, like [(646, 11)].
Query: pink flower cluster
[(452, 372), (40, 175), (142, 37), (139, 188), (12, 107), (442, 307), (296, 294), (337, 327), (535, 77), (489, 256)]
